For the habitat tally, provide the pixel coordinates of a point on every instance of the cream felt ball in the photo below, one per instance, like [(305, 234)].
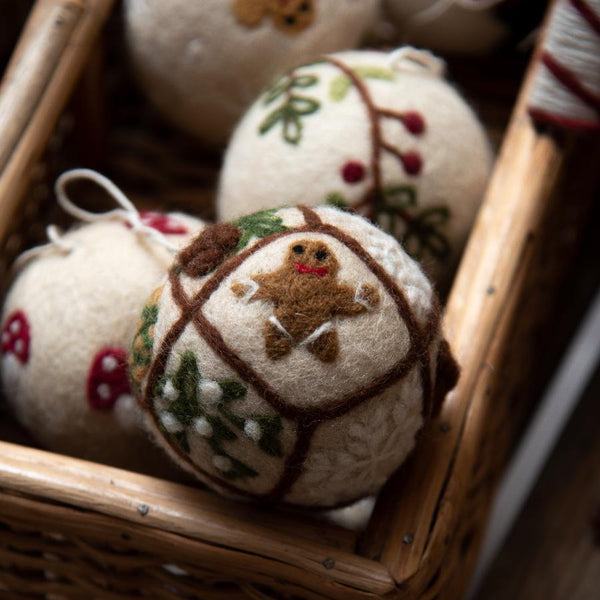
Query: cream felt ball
[(292, 356), (382, 134), (66, 325), (470, 27), (458, 26), (203, 63)]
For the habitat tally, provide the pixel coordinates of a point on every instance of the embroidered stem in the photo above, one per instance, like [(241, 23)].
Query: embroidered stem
[(377, 200)]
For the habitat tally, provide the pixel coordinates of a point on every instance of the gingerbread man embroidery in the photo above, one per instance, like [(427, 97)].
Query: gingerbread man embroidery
[(288, 15), (306, 296)]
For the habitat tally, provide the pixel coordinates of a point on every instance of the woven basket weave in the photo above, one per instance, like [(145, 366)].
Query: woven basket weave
[(73, 529)]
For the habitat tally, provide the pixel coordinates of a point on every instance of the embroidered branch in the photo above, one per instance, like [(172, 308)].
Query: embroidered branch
[(292, 108), (205, 406), (419, 232)]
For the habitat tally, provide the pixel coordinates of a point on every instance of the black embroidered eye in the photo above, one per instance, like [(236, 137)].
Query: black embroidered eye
[(290, 20), (305, 7), (298, 249), (321, 255)]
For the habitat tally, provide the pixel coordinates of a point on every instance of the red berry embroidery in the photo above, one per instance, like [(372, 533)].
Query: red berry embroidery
[(16, 336), (353, 171), (414, 122), (412, 163), (161, 222), (108, 378)]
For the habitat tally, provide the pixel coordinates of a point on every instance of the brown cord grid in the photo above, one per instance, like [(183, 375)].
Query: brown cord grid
[(306, 419)]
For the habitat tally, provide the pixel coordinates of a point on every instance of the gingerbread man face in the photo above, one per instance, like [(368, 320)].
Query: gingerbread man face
[(291, 16), (307, 298), (312, 258)]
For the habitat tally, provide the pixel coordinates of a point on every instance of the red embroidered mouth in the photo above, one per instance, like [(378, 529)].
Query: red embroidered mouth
[(302, 268)]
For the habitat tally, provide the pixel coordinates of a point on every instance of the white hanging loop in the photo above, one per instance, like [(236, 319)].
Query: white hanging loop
[(126, 213), (57, 242), (413, 60), (439, 8)]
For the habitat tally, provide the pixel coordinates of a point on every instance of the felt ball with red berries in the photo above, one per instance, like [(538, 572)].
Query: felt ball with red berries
[(66, 324), (382, 134)]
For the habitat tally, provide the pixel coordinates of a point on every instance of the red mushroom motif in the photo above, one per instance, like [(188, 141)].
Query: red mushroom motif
[(162, 222), (108, 379), (16, 336)]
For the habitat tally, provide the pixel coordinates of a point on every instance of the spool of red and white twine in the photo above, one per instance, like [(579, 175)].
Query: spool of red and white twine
[(566, 90)]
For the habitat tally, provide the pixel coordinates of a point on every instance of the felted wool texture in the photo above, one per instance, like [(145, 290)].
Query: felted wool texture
[(458, 29), (70, 386), (203, 63), (395, 143), (261, 387)]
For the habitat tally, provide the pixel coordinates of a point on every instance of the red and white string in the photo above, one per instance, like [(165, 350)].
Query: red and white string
[(567, 88)]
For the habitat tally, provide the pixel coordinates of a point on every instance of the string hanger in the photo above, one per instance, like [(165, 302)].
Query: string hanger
[(415, 60), (125, 213)]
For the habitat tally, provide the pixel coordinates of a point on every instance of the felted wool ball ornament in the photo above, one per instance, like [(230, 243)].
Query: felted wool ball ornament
[(463, 26), (66, 326), (385, 135), (294, 355), (203, 63)]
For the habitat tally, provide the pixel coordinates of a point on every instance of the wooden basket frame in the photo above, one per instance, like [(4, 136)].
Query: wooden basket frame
[(410, 536)]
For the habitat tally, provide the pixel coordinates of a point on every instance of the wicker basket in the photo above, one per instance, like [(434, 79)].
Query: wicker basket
[(73, 529)]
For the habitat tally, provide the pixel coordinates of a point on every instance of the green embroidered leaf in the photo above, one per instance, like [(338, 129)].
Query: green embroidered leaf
[(239, 470), (339, 88), (270, 427), (260, 224), (302, 106), (425, 232), (184, 405), (279, 87), (271, 120), (292, 129), (336, 199), (141, 348), (220, 431), (271, 445), (304, 81), (182, 441), (399, 196), (292, 108), (232, 390), (341, 84)]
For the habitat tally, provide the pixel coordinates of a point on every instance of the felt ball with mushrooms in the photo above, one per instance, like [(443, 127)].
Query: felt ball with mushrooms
[(295, 355), (66, 325)]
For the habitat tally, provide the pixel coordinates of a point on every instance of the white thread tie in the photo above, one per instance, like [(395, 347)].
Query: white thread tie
[(127, 212), (413, 60)]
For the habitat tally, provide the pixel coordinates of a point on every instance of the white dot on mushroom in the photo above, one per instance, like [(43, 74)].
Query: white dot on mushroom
[(104, 391), (15, 326), (109, 363), (19, 346)]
